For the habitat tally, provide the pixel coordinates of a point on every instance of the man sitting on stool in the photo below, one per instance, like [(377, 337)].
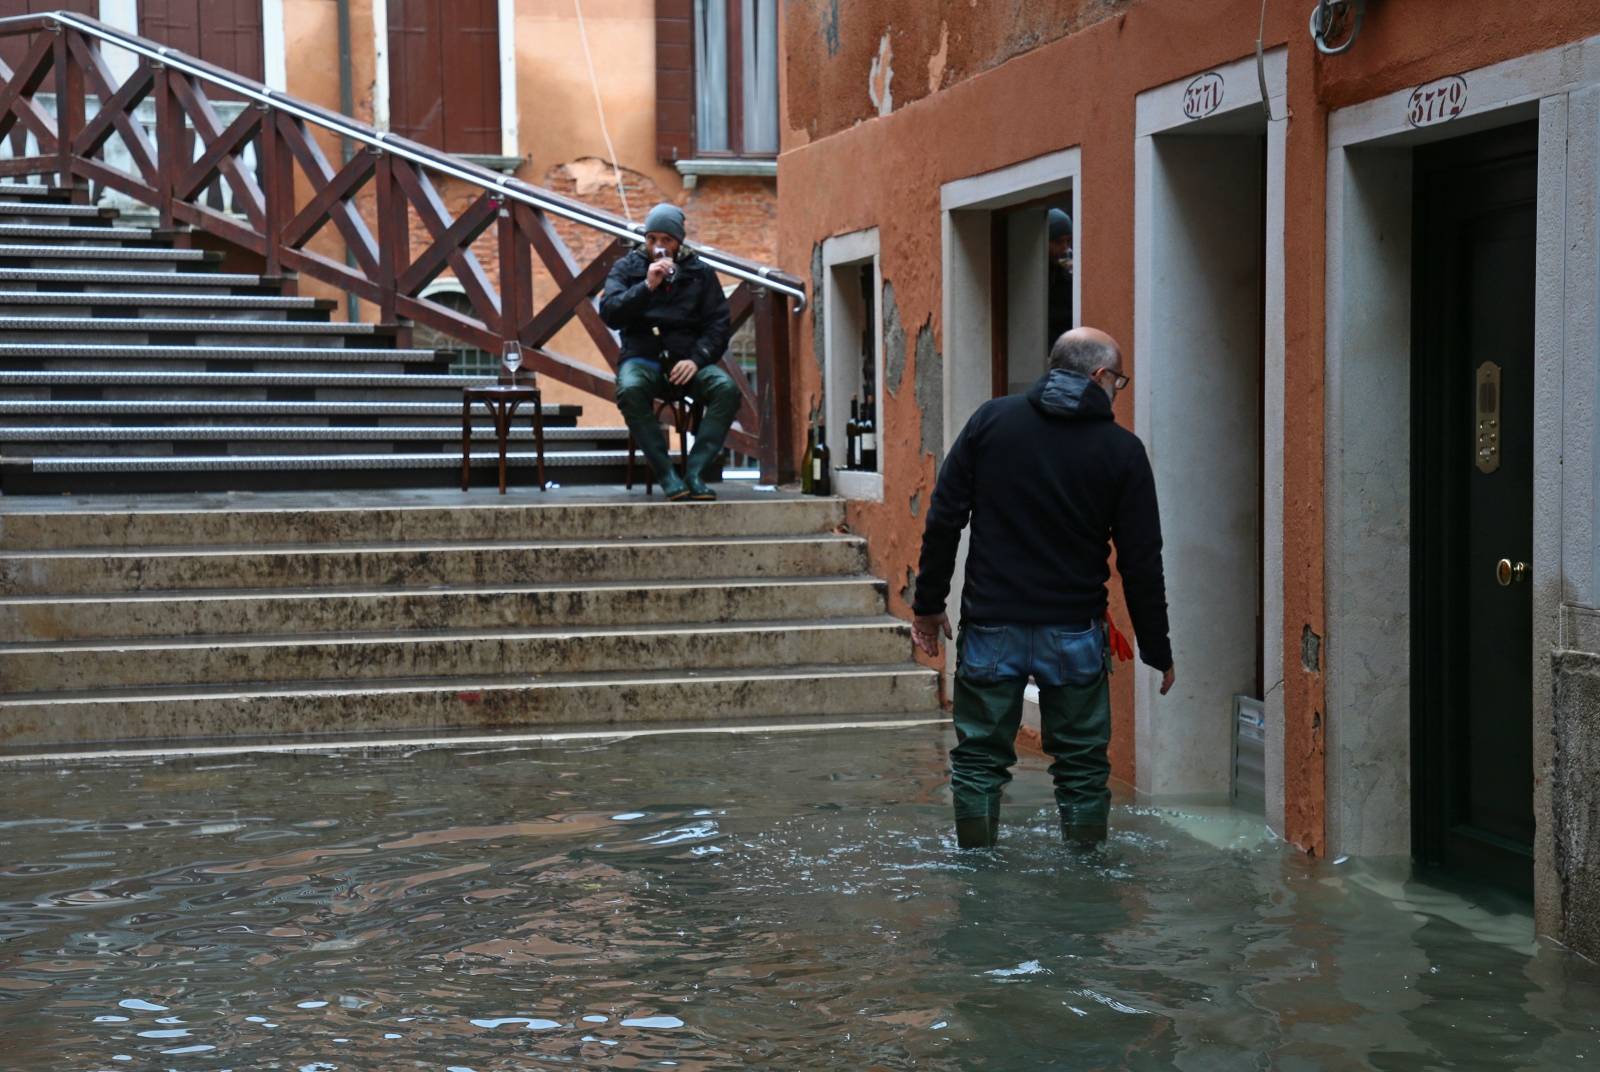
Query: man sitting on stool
[(673, 317)]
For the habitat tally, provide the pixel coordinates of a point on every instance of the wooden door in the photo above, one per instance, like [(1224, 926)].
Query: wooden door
[(1472, 386)]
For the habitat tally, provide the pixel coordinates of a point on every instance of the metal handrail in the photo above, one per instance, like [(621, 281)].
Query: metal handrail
[(506, 186)]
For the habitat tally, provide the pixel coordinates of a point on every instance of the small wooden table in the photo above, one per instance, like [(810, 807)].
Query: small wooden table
[(502, 400)]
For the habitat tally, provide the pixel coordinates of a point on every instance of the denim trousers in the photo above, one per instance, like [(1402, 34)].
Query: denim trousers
[(1069, 664)]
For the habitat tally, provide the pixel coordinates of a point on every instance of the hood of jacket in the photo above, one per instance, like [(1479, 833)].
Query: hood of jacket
[(1070, 396)]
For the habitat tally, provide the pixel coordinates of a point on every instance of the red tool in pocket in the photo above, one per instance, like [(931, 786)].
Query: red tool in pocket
[(1120, 646)]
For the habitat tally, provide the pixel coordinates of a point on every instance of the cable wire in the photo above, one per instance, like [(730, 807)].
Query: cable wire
[(599, 106)]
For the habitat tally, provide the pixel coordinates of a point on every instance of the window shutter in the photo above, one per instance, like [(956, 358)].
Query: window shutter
[(674, 80)]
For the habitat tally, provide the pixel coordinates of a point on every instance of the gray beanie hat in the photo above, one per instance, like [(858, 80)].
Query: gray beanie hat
[(1060, 224), (666, 219)]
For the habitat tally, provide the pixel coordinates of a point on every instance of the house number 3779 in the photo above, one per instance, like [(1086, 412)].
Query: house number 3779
[(1437, 102)]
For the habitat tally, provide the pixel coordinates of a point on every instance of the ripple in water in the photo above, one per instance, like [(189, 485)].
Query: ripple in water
[(789, 901)]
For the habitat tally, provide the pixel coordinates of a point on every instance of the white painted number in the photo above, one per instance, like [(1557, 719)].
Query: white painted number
[(1437, 102), (1203, 96)]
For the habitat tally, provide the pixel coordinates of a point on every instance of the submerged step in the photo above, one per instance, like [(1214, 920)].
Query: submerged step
[(557, 650), (491, 703)]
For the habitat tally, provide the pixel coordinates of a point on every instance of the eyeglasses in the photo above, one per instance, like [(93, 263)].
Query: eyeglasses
[(1118, 380)]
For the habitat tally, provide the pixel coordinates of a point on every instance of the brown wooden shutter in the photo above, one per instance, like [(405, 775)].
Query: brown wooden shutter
[(674, 80), (13, 49), (444, 73), (224, 32)]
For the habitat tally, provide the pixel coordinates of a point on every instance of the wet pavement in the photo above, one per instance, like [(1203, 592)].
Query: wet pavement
[(783, 900)]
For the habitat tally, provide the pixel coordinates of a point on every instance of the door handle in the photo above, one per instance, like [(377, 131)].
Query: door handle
[(1507, 571)]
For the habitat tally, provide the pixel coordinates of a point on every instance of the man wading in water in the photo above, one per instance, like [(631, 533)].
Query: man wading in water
[(1049, 481)]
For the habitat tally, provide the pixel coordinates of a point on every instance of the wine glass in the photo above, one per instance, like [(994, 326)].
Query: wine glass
[(511, 358)]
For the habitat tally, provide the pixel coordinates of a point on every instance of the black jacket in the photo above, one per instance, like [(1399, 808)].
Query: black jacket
[(685, 317), (1048, 480)]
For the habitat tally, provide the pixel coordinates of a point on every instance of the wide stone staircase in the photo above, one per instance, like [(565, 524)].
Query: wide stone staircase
[(367, 613), (128, 364)]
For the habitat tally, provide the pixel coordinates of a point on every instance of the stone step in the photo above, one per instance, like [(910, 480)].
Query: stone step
[(319, 519), (15, 280), (202, 384), (104, 570), (93, 257), (33, 191), (305, 611), (46, 212), (562, 649), (140, 331), (46, 413), (100, 473), (12, 232), (308, 437), (119, 356), (494, 703), (80, 303)]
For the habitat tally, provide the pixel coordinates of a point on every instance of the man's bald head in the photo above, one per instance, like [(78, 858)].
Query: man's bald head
[(1083, 350)]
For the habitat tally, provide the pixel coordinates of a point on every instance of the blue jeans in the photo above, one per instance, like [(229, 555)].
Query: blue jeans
[(1069, 664)]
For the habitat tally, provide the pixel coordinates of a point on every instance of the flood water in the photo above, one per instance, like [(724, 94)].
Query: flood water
[(768, 901)]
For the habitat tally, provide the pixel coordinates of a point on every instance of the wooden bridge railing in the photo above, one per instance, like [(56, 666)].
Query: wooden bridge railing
[(254, 160)]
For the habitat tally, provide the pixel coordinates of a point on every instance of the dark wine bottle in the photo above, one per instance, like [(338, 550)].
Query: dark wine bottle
[(868, 437), (807, 459), (821, 464), (852, 436)]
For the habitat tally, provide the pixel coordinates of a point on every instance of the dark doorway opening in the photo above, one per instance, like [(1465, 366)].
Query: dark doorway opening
[(1472, 456)]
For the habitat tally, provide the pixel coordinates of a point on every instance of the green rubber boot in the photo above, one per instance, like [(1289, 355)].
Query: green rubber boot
[(707, 445), (980, 832), (1083, 837), (654, 448)]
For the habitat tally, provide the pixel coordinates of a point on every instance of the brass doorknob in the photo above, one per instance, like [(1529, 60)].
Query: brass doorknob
[(1506, 571)]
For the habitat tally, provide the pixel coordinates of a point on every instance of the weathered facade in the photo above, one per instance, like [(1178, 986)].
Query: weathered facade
[(1361, 321)]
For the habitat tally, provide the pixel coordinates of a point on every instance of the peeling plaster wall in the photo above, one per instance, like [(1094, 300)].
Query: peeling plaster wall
[(975, 89), (855, 61)]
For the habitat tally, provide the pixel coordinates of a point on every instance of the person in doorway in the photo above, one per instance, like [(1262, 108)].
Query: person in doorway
[(1049, 481), (668, 306), (1059, 299)]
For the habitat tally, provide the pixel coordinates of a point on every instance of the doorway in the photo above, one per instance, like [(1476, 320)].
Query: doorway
[(1200, 376), (974, 321), (1032, 288), (1473, 310)]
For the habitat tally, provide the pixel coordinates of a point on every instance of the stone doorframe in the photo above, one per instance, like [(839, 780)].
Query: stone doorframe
[(964, 210), (1367, 461), (1178, 754)]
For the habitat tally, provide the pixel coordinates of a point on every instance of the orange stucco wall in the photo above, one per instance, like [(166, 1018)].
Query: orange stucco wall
[(848, 167)]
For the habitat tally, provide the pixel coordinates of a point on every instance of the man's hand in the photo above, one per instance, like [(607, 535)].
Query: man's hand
[(925, 630), (658, 273), (683, 372), (1167, 678)]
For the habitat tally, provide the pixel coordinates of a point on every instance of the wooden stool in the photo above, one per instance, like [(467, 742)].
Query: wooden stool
[(686, 413), (502, 400)]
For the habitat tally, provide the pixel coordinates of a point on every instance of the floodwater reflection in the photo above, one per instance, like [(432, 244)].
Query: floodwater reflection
[(782, 900)]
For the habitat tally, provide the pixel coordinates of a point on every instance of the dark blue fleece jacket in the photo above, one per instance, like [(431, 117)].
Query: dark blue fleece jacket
[(1049, 481)]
